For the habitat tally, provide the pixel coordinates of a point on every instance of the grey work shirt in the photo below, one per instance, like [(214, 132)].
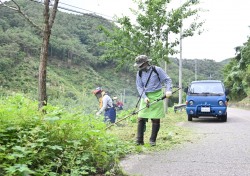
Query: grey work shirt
[(154, 83), (106, 103)]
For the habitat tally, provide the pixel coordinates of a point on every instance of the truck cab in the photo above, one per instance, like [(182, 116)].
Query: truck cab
[(206, 98)]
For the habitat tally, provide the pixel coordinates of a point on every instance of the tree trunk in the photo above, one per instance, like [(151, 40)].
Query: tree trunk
[(42, 70), (43, 58), (48, 23)]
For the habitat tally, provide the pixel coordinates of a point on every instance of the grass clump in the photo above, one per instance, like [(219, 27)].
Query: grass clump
[(171, 131)]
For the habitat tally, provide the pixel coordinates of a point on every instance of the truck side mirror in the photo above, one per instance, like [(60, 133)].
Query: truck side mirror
[(227, 91)]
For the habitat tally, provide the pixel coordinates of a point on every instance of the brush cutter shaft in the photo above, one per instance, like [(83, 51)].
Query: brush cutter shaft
[(135, 112)]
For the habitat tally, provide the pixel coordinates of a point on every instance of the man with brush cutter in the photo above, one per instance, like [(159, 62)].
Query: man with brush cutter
[(149, 80)]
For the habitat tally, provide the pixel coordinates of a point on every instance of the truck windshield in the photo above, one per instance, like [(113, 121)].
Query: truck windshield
[(211, 88)]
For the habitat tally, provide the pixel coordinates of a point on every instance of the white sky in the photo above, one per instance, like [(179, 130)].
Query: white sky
[(226, 25)]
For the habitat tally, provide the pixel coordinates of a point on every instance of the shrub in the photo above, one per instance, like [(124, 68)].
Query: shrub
[(55, 143)]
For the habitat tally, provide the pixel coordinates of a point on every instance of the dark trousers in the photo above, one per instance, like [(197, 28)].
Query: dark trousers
[(142, 127)]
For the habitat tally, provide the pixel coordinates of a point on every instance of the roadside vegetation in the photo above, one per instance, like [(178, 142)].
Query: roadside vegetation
[(71, 143), (68, 139), (243, 104)]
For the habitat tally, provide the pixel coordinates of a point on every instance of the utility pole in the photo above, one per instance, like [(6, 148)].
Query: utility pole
[(121, 97), (124, 96), (166, 99), (241, 51), (195, 69), (180, 67)]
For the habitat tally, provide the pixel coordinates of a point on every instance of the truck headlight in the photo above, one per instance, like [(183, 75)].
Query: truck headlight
[(191, 103), (221, 103)]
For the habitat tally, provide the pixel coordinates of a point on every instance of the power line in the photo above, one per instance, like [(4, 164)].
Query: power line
[(87, 14), (92, 14), (84, 9)]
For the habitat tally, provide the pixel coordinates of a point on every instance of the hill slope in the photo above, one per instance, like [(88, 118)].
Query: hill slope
[(75, 66)]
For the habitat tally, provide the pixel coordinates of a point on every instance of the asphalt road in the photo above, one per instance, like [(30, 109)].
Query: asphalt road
[(223, 149)]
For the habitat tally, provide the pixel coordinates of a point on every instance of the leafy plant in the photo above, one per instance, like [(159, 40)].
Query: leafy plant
[(55, 143), (236, 73)]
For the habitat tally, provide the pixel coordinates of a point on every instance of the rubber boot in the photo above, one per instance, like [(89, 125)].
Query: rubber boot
[(140, 131), (154, 132)]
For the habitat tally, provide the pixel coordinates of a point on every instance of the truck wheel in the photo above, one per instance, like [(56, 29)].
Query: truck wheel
[(224, 118), (190, 118)]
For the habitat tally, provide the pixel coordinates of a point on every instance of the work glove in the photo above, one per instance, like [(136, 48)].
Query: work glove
[(146, 100), (98, 113), (168, 94)]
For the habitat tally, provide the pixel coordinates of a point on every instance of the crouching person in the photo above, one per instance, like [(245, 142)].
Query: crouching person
[(106, 105)]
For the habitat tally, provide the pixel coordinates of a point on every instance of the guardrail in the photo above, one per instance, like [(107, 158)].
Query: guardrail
[(179, 107)]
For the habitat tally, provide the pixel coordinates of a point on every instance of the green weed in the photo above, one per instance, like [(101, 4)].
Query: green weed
[(55, 143)]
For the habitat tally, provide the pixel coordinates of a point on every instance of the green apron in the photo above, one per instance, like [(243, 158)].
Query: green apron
[(155, 111)]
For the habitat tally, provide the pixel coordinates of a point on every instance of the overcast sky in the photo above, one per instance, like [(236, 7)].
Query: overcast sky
[(226, 25)]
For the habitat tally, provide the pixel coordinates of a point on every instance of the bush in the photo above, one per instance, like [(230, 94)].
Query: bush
[(55, 143)]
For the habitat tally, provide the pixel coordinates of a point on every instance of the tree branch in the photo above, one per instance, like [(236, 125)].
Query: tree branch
[(53, 15), (10, 7), (18, 9), (46, 16)]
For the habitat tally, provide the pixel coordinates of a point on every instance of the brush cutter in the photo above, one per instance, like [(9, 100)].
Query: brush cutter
[(135, 112)]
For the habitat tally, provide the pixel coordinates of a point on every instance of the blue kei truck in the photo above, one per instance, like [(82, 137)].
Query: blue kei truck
[(206, 98)]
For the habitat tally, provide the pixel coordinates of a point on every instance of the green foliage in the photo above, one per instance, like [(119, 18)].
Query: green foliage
[(56, 143), (206, 69), (236, 73), (74, 38), (63, 143), (170, 134), (75, 66), (150, 35)]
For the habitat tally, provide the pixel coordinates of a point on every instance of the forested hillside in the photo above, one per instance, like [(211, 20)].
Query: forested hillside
[(75, 66)]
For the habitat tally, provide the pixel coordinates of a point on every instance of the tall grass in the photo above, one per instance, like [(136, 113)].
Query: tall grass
[(171, 131)]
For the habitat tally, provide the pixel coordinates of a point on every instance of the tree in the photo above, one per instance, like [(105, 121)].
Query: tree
[(48, 23), (237, 73), (46, 32), (155, 23)]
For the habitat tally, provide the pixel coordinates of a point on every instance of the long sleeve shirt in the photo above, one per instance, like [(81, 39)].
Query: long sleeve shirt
[(154, 83), (106, 103)]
